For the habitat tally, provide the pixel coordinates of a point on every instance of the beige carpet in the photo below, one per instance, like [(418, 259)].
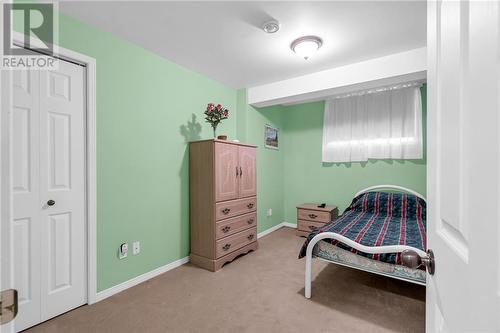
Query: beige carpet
[(259, 292)]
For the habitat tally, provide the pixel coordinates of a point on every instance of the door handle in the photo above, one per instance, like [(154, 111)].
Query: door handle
[(241, 172), (411, 259), (51, 202)]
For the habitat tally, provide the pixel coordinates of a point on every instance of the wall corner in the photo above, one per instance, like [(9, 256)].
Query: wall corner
[(241, 114)]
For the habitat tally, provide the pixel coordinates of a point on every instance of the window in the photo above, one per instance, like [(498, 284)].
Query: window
[(380, 124)]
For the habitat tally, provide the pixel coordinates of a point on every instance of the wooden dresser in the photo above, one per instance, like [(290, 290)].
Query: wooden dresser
[(223, 202), (310, 217)]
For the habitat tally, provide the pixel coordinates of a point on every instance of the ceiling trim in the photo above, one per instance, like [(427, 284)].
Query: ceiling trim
[(396, 68)]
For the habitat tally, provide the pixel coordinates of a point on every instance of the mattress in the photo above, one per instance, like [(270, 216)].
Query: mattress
[(376, 219)]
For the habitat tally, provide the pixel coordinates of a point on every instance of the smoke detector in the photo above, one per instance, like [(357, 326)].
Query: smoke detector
[(271, 26)]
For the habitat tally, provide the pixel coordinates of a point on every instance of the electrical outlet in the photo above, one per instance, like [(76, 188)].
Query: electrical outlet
[(269, 212), (136, 248), (123, 251)]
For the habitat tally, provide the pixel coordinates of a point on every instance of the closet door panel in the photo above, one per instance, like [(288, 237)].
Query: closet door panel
[(26, 196), (62, 189), (226, 172)]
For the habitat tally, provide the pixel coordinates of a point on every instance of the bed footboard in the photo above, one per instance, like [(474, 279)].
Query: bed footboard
[(353, 244)]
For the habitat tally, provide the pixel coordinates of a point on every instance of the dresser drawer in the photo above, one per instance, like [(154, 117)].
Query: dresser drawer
[(233, 225), (231, 243), (308, 225), (313, 215), (226, 209)]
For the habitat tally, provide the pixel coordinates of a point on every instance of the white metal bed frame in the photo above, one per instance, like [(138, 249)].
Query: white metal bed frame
[(357, 246)]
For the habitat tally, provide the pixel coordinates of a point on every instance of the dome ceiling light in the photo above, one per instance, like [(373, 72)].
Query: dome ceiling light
[(271, 26), (306, 46)]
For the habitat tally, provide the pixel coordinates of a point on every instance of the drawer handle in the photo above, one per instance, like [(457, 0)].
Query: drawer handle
[(250, 221), (250, 237), (250, 205), (226, 247), (311, 227), (226, 229), (226, 211), (313, 216)]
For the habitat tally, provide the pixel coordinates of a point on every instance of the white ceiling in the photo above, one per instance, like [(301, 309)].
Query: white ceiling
[(224, 41)]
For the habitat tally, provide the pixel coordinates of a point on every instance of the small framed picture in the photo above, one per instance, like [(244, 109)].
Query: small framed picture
[(271, 137)]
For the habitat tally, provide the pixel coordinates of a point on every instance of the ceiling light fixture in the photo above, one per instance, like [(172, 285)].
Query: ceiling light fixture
[(306, 46), (271, 26)]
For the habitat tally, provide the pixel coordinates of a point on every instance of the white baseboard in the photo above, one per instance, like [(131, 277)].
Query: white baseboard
[(160, 270), (139, 279), (276, 227), (289, 225)]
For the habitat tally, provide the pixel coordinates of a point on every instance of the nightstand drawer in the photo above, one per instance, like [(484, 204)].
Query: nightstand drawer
[(308, 226), (313, 215)]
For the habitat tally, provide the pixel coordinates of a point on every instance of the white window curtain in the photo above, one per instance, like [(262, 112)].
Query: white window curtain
[(381, 124)]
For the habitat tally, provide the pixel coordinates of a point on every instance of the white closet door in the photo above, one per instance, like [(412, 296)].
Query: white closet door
[(62, 175), (25, 118), (48, 147)]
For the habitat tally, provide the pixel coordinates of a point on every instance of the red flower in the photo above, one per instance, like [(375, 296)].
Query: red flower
[(226, 113), (219, 107)]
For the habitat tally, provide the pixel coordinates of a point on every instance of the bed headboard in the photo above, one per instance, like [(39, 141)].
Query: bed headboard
[(391, 187)]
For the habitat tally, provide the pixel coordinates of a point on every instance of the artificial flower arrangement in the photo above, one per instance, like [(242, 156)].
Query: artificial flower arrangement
[(214, 114)]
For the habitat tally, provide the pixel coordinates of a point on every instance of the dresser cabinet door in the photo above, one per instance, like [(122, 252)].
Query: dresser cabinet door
[(226, 172), (248, 179)]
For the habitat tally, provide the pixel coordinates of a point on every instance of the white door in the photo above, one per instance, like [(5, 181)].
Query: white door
[(26, 228), (6, 265), (464, 166), (48, 184)]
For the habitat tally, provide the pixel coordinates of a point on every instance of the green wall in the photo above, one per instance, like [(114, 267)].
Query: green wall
[(295, 173), (307, 179), (270, 181), (147, 110)]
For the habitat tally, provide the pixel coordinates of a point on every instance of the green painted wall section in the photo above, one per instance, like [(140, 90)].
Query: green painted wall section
[(147, 110), (270, 181), (242, 110), (307, 179)]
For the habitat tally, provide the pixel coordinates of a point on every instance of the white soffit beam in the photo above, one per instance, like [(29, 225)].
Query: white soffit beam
[(395, 68)]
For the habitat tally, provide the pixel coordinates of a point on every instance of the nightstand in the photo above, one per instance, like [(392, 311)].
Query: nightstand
[(311, 217)]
